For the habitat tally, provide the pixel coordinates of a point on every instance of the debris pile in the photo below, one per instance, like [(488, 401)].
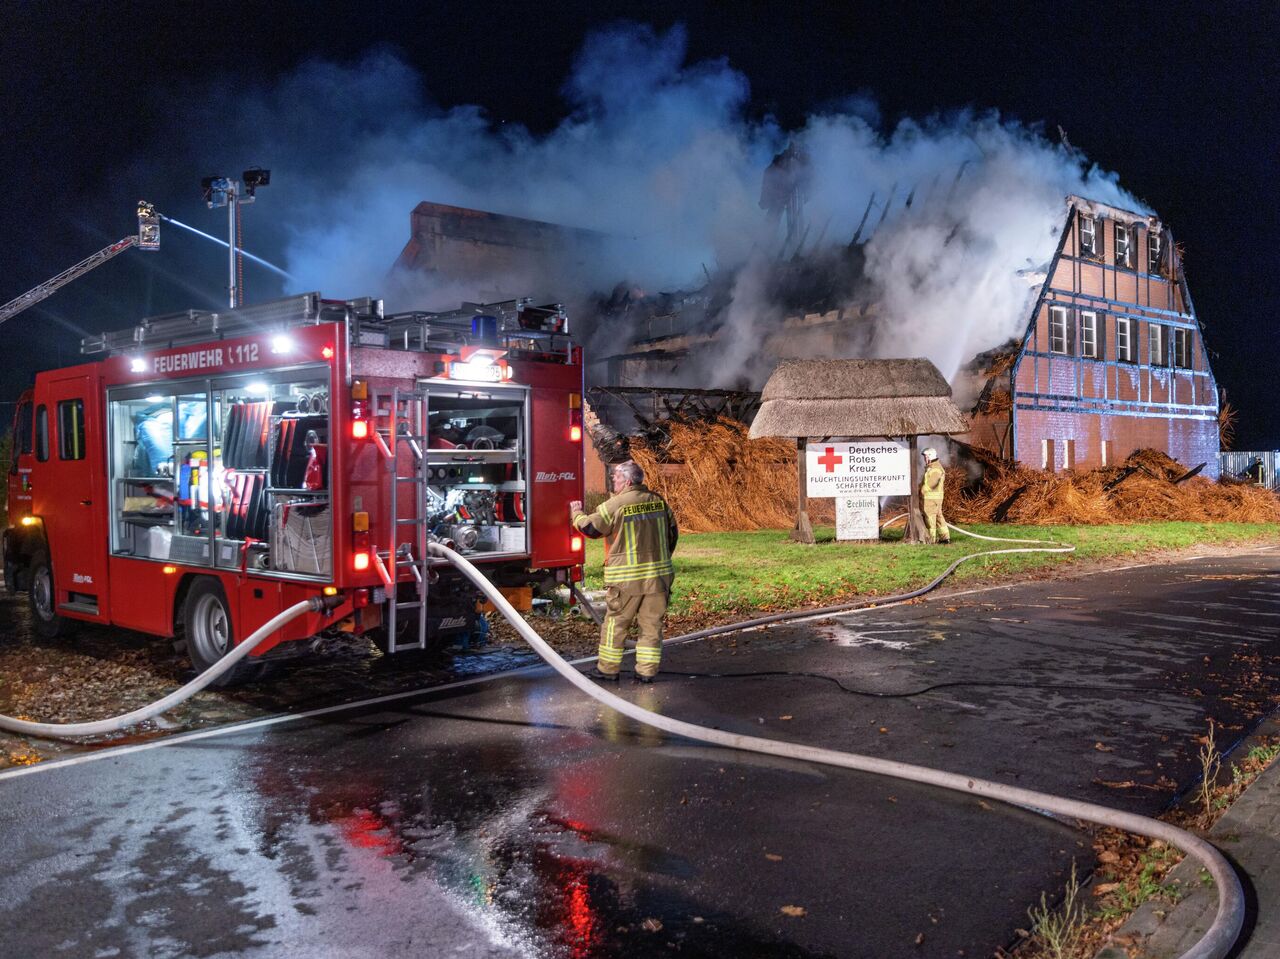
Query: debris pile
[(716, 479), (1148, 486)]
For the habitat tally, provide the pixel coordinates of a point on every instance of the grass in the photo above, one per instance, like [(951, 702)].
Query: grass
[(762, 569)]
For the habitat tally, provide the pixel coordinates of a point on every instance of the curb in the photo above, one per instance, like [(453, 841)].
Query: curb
[(1249, 835)]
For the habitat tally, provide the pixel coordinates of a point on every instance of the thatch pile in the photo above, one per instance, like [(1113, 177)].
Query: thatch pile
[(1146, 487), (716, 479)]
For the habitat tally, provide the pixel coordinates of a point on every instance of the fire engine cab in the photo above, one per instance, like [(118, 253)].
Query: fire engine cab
[(208, 470)]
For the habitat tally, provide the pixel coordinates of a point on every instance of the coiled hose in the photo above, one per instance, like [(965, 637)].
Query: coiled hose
[(1214, 944), (181, 695)]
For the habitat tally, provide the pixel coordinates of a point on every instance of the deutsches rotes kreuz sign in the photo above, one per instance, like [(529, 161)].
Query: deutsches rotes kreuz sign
[(880, 468)]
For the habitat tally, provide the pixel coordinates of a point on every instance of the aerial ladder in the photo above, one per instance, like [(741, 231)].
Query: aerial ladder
[(147, 238)]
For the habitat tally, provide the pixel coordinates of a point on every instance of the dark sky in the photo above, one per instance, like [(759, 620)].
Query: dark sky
[(1181, 102)]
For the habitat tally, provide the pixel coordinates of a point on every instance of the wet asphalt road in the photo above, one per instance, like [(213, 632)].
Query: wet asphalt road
[(513, 818)]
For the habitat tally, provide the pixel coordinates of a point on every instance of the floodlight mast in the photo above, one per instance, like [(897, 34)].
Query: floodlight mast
[(220, 191)]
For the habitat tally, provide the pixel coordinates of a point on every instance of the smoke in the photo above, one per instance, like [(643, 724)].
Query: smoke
[(663, 158)]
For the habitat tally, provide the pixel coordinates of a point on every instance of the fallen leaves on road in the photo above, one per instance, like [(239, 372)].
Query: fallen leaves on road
[(1104, 749), (794, 911), (651, 925), (1163, 784), (773, 857)]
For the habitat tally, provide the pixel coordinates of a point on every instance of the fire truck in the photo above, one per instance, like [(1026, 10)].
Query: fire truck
[(204, 471)]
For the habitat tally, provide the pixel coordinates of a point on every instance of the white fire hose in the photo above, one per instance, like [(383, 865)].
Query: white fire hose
[(1214, 944), (178, 696)]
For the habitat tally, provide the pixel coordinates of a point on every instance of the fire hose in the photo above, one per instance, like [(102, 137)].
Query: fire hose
[(1214, 944), (175, 698)]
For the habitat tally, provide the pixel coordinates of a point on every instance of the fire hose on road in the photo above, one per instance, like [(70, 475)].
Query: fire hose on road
[(177, 697), (1215, 943)]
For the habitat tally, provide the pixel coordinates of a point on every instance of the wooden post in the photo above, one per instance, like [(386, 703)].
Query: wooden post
[(916, 532), (803, 533)]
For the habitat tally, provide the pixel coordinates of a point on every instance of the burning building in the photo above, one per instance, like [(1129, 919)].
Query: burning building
[(1110, 357)]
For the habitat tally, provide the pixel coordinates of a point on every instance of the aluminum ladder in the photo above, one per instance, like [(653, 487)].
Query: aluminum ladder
[(400, 420)]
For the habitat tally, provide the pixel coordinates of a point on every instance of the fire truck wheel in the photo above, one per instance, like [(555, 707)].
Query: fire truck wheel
[(41, 594), (207, 634)]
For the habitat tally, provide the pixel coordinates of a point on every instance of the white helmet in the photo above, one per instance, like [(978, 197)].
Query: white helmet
[(930, 454)]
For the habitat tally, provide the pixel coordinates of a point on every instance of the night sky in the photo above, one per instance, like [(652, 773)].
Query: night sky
[(1182, 103)]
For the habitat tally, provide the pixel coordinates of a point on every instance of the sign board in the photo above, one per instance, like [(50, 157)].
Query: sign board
[(857, 517), (876, 468)]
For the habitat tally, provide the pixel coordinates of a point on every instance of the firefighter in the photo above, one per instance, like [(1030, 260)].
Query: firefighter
[(931, 491), (639, 533)]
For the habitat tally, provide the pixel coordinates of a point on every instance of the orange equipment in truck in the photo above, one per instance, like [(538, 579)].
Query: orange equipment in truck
[(209, 470)]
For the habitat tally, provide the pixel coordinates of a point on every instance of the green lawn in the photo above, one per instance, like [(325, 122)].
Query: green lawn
[(732, 572)]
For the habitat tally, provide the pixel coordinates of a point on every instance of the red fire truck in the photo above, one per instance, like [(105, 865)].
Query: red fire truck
[(211, 469)]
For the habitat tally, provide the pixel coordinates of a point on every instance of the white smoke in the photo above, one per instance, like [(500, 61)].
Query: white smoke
[(663, 157)]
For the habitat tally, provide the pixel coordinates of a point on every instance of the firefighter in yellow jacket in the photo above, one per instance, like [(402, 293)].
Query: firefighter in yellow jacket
[(639, 533), (931, 492)]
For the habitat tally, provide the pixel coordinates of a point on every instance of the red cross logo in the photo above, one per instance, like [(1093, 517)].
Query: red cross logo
[(829, 459)]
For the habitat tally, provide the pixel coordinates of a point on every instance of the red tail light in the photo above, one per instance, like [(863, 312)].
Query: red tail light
[(359, 429), (575, 433), (360, 561), (575, 544)]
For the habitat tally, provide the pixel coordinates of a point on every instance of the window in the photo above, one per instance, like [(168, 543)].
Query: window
[(1090, 335), (1059, 330), (42, 433), (1048, 460), (233, 476), (1182, 349), (1158, 340), (1126, 337), (1088, 236), (1124, 246), (71, 430), (1069, 454), (22, 442), (1155, 253), (1106, 452)]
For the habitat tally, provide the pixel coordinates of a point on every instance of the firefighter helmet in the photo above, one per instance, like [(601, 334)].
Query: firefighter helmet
[(930, 454)]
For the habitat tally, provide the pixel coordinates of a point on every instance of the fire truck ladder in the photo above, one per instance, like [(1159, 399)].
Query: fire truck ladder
[(400, 421), (147, 238)]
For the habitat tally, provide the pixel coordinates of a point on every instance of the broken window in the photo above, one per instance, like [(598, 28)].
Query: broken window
[(1090, 335), (1182, 349), (1124, 246), (1155, 253), (1059, 338), (1088, 236), (1126, 337), (1158, 341)]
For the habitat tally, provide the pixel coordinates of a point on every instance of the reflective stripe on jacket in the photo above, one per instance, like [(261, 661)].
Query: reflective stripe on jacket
[(639, 533), (931, 487)]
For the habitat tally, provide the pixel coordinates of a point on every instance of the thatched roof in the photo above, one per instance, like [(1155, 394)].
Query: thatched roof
[(857, 398)]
